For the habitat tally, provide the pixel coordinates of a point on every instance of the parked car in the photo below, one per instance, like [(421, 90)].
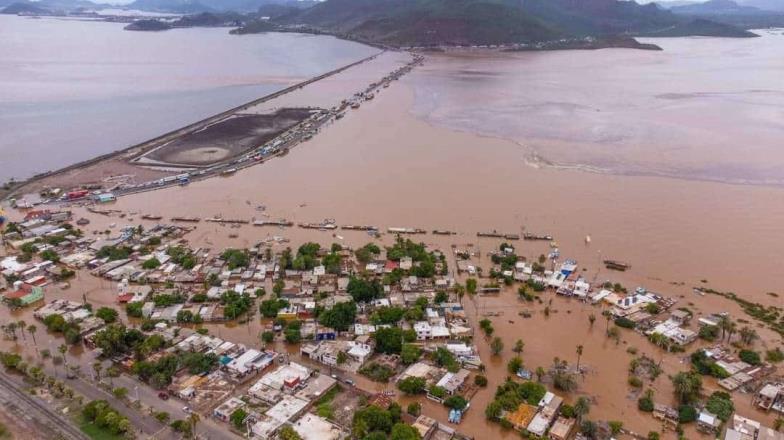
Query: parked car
[(163, 396)]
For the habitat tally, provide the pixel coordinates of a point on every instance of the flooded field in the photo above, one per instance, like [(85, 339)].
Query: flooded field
[(702, 109)]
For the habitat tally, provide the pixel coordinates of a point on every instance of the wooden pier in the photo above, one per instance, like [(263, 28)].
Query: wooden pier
[(186, 219), (227, 221), (281, 223)]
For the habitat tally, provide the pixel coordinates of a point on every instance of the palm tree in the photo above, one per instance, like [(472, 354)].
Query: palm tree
[(12, 329), (540, 373), (607, 327), (518, 347), (62, 349), (460, 291), (193, 419), (724, 325), (22, 326), (97, 367), (686, 386), (733, 328), (748, 335), (32, 329), (581, 408), (591, 319), (778, 425), (579, 355), (496, 345)]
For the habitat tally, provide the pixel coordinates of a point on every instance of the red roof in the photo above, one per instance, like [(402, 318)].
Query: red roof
[(125, 298), (24, 290), (391, 265), (36, 214)]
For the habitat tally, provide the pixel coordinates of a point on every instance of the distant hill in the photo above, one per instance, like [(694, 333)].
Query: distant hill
[(25, 8), (426, 22), (210, 19), (717, 7), (702, 27), (731, 13), (174, 6), (195, 6), (765, 5), (481, 22)]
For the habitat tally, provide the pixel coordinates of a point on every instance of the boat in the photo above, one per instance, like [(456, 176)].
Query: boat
[(228, 172), (281, 223), (355, 105), (359, 227), (617, 265), (82, 221), (186, 219), (151, 217), (529, 236)]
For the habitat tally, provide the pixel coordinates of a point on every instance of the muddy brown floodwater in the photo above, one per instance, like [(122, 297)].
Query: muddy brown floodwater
[(383, 166)]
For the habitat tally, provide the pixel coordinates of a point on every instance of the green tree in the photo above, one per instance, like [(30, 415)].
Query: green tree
[(410, 353), (238, 417), (582, 406), (288, 433), (108, 314), (514, 365), (412, 385), (150, 264), (687, 386), (471, 286), (340, 316), (496, 345)]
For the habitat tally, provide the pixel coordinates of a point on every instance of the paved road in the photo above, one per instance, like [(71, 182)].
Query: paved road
[(13, 393)]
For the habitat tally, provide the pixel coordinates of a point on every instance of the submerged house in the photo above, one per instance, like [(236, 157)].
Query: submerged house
[(24, 295)]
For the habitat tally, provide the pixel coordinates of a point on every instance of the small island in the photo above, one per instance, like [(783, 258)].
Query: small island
[(148, 25)]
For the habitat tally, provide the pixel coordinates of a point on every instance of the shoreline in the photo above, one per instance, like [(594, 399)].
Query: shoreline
[(158, 141)]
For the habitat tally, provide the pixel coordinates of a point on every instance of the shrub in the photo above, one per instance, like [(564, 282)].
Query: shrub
[(150, 264), (645, 404), (625, 322), (687, 414), (720, 403), (750, 357), (412, 385), (480, 380), (709, 332), (774, 356)]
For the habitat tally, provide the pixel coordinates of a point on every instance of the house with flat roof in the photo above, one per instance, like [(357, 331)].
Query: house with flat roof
[(313, 427), (287, 377), (708, 422), (522, 416), (562, 429), (223, 411)]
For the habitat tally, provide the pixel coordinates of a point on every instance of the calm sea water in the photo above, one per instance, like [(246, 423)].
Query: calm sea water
[(71, 90), (703, 108)]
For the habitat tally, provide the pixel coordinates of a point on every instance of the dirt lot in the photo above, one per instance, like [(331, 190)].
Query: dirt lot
[(226, 139), (344, 405)]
